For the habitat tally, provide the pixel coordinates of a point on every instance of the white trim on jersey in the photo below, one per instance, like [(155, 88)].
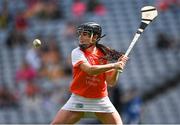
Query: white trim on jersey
[(77, 55)]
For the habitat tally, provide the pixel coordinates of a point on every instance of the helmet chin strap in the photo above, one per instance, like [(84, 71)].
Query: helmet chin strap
[(85, 46), (91, 38)]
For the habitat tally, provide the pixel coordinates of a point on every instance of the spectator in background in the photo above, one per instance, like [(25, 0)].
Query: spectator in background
[(16, 38), (163, 42), (96, 7), (69, 35), (32, 58), (68, 66), (25, 73), (31, 3), (51, 12), (33, 7), (164, 5), (44, 9), (21, 23), (68, 39), (78, 9), (132, 107), (5, 16), (70, 31), (32, 89), (92, 4), (26, 81), (116, 98), (32, 55), (51, 62), (7, 97)]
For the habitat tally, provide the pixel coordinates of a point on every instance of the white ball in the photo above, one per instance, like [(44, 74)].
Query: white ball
[(36, 43)]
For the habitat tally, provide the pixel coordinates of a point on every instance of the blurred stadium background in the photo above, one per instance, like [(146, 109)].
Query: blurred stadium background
[(34, 82)]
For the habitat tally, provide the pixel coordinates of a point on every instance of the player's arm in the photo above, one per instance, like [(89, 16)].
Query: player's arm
[(112, 75), (98, 69), (79, 60)]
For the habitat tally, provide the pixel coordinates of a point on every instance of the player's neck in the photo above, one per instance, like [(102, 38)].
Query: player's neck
[(91, 49)]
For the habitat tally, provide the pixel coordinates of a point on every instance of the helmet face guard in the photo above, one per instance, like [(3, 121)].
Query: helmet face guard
[(91, 28), (83, 31)]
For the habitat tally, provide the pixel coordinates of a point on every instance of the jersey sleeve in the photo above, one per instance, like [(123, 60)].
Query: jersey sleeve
[(78, 57)]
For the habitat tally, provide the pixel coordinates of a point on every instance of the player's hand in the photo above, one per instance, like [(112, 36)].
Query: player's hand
[(123, 58), (121, 62)]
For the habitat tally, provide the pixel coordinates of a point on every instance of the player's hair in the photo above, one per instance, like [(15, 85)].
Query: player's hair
[(110, 54)]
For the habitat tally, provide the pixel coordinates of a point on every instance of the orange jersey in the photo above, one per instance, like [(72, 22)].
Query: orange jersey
[(89, 86)]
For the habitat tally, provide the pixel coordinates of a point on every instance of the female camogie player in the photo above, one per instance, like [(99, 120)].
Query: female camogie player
[(92, 73)]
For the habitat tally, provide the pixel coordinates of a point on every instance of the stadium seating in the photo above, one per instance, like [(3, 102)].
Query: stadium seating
[(147, 69), (163, 109)]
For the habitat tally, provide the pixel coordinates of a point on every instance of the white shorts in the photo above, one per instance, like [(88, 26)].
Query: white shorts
[(79, 103)]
